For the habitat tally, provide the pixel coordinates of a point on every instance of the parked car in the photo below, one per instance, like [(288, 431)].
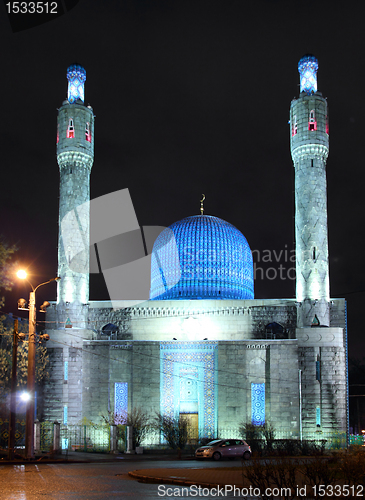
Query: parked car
[(222, 448)]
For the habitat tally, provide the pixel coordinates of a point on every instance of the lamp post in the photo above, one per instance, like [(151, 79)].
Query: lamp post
[(11, 440), (29, 420)]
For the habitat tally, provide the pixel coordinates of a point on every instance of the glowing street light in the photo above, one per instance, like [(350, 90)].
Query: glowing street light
[(25, 396), (22, 274), (29, 421)]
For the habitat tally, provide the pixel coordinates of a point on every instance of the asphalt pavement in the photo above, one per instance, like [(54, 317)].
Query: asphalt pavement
[(188, 474)]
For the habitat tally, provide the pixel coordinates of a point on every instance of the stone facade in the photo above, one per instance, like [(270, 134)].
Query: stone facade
[(309, 141), (75, 156), (217, 362), (133, 353)]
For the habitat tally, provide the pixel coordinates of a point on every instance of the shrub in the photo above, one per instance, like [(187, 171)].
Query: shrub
[(137, 418), (352, 466), (286, 447), (317, 472), (249, 431), (312, 447), (173, 429), (259, 437), (257, 446)]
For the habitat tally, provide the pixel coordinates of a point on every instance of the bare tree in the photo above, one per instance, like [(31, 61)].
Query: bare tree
[(173, 429), (137, 418)]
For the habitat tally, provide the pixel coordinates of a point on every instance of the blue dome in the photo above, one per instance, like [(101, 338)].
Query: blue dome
[(201, 257)]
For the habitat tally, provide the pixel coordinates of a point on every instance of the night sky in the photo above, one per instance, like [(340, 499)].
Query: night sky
[(190, 97)]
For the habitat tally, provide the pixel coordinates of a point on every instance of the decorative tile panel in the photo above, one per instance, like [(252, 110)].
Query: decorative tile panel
[(190, 367), (308, 67), (258, 404), (121, 401), (76, 76)]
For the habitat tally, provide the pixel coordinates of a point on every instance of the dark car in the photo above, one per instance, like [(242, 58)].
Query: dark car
[(221, 448)]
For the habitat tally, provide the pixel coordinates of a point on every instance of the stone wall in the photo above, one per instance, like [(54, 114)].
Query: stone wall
[(322, 360), (111, 362), (96, 362), (188, 320), (274, 363), (66, 376), (239, 364), (53, 391)]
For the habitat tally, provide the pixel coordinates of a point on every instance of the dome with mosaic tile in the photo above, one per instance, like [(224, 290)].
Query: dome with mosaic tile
[(201, 257)]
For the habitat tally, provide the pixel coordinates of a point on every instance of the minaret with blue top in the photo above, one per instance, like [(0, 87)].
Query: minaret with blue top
[(309, 142), (75, 156)]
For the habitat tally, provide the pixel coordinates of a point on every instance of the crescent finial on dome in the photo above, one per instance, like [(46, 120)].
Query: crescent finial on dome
[(201, 205)]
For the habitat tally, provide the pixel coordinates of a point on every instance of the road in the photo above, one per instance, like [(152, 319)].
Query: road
[(88, 481)]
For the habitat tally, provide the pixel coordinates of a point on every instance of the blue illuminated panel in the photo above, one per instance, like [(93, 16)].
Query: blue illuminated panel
[(65, 415), (258, 404), (121, 401), (214, 261), (307, 67), (76, 76), (194, 362), (318, 416)]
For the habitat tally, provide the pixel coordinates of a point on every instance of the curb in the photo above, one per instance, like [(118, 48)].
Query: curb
[(170, 480)]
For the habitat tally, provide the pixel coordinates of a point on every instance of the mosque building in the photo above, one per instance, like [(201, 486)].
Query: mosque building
[(201, 346)]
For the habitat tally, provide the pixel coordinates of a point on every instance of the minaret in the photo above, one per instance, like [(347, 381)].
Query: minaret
[(309, 149), (75, 156)]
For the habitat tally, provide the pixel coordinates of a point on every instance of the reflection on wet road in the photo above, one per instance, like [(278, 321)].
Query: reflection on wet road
[(92, 481)]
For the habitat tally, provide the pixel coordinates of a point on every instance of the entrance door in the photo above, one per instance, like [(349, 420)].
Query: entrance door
[(193, 426)]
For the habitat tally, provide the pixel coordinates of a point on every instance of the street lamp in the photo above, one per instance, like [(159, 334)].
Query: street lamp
[(25, 397), (29, 421)]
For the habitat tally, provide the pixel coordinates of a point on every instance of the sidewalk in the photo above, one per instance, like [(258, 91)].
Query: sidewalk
[(83, 457)]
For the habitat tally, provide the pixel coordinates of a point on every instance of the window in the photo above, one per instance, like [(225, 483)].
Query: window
[(88, 132), (312, 124), (70, 134), (294, 129)]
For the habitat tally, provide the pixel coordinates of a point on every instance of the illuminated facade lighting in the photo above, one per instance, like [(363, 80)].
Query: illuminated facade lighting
[(308, 67), (76, 76)]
